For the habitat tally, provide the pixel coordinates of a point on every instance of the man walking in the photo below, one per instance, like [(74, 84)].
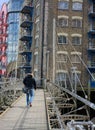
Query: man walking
[(30, 84)]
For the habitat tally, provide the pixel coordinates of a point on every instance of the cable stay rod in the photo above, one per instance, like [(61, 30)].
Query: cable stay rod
[(85, 101)]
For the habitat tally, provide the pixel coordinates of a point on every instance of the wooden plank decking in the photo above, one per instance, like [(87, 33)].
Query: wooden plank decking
[(21, 117)]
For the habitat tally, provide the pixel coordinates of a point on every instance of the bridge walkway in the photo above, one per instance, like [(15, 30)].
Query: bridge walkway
[(21, 117)]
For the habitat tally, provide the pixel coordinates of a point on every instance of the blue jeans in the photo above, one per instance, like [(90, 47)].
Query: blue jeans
[(30, 96)]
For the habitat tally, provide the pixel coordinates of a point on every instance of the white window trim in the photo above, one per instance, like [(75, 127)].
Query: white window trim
[(37, 36), (61, 71), (76, 35), (63, 16), (78, 54), (35, 70), (81, 1), (63, 42), (36, 53), (64, 59), (64, 0), (62, 52), (37, 20), (77, 17), (37, 5), (64, 34)]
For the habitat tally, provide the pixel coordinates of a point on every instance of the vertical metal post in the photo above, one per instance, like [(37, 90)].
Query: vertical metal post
[(54, 41), (47, 64), (75, 81)]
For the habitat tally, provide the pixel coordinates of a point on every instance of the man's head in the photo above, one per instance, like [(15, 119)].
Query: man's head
[(32, 74)]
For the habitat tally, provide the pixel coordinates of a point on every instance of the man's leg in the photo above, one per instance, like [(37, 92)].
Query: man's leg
[(27, 99), (31, 96)]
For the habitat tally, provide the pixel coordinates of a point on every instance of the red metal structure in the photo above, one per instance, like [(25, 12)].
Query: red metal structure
[(3, 37)]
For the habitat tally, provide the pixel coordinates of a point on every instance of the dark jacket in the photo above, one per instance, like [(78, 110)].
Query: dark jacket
[(29, 82)]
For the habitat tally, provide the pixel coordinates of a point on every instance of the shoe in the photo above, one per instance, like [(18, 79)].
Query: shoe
[(30, 105)]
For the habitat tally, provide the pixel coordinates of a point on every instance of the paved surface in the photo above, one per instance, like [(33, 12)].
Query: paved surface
[(20, 117)]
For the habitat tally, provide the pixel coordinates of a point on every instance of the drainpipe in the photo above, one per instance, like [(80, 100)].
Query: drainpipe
[(42, 43)]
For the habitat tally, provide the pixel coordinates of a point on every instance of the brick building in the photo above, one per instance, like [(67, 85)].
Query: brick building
[(63, 42)]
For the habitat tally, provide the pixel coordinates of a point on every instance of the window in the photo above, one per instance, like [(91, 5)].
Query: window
[(37, 26), (61, 76), (91, 43), (77, 23), (62, 22), (36, 75), (62, 39), (75, 58), (63, 5), (77, 6), (62, 57), (76, 40), (36, 42), (76, 77), (37, 10), (36, 58)]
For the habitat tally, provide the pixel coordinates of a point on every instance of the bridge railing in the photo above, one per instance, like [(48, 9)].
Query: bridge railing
[(63, 110), (10, 90)]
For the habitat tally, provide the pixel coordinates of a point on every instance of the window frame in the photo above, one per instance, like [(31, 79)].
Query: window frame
[(62, 43), (63, 76), (77, 23), (75, 58), (62, 5), (36, 59), (75, 6), (76, 40), (62, 58), (63, 22), (38, 10), (37, 26)]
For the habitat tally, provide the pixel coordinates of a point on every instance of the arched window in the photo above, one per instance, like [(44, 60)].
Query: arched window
[(75, 57), (62, 39), (61, 76), (76, 40), (62, 56), (77, 23)]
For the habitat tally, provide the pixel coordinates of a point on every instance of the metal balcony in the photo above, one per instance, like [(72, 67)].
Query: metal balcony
[(27, 9), (3, 44), (5, 24), (91, 33), (25, 45), (26, 38), (3, 35), (91, 66), (92, 84), (91, 14), (91, 47), (26, 24), (92, 1), (26, 67), (25, 52)]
